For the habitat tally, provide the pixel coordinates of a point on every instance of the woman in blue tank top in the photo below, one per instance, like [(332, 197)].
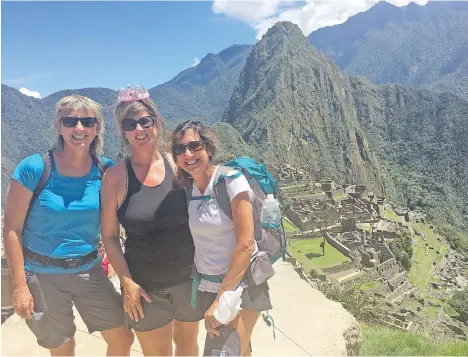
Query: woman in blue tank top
[(51, 235)]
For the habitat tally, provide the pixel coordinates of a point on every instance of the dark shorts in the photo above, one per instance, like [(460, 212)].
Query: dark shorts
[(93, 294), (167, 304), (254, 298)]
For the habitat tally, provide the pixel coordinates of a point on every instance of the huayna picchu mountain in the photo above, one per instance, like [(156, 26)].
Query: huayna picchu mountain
[(292, 104)]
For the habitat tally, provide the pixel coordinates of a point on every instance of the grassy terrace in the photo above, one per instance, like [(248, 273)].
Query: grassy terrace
[(309, 254), (308, 195), (288, 226), (380, 341), (391, 215), (421, 272), (368, 285)]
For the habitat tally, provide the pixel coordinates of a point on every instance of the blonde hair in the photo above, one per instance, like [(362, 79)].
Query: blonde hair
[(126, 110), (68, 105)]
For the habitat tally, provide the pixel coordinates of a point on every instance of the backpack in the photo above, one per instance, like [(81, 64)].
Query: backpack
[(270, 239), (48, 159)]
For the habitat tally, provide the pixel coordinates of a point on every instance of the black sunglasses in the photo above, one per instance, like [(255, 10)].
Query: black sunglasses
[(130, 124), (193, 146), (71, 122)]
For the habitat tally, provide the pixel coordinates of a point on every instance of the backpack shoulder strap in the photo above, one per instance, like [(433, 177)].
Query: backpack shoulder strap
[(97, 160), (223, 198), (220, 188), (48, 158), (188, 191)]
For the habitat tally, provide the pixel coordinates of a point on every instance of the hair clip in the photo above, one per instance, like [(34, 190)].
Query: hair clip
[(132, 95)]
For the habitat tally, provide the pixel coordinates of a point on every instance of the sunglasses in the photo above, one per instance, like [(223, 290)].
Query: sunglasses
[(130, 124), (71, 122), (193, 146)]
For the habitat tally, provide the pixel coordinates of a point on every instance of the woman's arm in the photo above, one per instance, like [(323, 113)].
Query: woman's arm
[(110, 232), (242, 217), (16, 209)]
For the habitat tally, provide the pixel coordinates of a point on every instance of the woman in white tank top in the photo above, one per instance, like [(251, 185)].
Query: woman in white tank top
[(223, 247)]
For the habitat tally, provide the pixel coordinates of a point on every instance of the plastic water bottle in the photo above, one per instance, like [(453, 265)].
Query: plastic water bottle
[(228, 343), (271, 211), (229, 306)]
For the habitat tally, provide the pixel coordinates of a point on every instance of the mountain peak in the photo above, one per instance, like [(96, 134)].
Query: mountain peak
[(284, 28)]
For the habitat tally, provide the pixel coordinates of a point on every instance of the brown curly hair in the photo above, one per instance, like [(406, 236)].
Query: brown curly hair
[(206, 135)]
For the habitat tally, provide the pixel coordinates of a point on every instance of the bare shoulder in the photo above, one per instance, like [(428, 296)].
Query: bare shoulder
[(115, 174)]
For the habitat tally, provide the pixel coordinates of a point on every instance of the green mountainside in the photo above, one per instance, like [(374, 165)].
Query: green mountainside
[(413, 45), (201, 92), (292, 104)]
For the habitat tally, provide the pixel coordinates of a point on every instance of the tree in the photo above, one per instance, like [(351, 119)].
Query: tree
[(459, 302)]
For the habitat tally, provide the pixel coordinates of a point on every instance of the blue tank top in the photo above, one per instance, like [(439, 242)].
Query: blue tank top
[(64, 221)]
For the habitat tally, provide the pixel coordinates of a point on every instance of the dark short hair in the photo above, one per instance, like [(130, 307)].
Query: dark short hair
[(206, 135)]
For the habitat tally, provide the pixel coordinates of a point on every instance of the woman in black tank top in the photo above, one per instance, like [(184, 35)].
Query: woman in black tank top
[(142, 193)]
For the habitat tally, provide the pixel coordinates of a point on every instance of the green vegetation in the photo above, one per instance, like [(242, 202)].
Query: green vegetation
[(402, 248), (364, 307), (288, 226), (368, 285), (382, 341), (309, 253), (390, 214), (430, 312), (459, 302), (422, 266)]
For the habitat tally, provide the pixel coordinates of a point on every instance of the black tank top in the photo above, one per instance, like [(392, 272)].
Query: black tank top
[(159, 247)]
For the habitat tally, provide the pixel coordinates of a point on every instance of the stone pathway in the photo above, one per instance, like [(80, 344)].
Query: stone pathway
[(306, 324)]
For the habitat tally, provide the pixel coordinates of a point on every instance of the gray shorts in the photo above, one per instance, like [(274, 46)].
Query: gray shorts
[(168, 304), (254, 298), (93, 294)]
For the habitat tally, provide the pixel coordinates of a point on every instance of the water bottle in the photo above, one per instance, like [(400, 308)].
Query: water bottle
[(228, 343), (229, 306), (271, 211)]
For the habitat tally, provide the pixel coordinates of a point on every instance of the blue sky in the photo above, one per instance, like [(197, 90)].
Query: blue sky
[(49, 46)]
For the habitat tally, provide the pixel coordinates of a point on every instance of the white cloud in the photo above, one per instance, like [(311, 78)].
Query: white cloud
[(196, 61), (309, 15), (30, 93)]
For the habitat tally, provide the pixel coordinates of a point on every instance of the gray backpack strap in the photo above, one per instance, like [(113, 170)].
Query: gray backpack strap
[(223, 198), (188, 192), (220, 189)]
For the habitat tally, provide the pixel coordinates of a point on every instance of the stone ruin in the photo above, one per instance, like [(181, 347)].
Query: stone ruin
[(368, 249), (450, 273), (303, 212), (286, 174)]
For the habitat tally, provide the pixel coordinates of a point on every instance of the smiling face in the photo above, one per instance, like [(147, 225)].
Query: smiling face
[(78, 137), (142, 137), (196, 160)]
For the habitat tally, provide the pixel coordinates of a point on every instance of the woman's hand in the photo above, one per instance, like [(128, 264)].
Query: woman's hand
[(132, 293), (211, 323), (23, 302)]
